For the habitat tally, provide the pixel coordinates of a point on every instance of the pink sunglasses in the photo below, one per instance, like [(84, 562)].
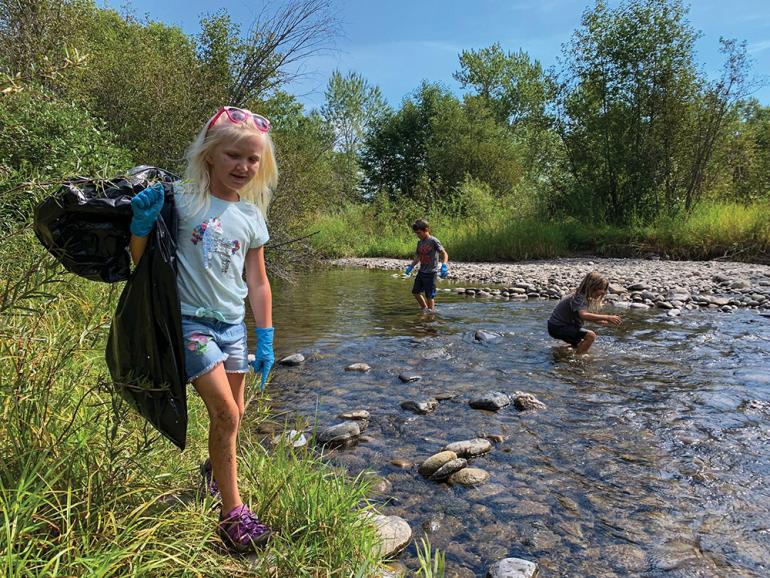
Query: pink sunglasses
[(238, 116)]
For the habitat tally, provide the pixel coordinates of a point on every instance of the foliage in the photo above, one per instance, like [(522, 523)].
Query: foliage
[(426, 149), (638, 121), (44, 140), (352, 106)]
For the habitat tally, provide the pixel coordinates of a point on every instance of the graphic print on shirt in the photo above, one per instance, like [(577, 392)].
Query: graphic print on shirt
[(425, 250), (209, 234)]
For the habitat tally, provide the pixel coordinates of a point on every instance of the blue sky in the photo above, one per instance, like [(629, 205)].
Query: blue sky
[(398, 43)]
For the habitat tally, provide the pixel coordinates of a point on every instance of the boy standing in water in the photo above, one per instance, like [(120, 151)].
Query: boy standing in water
[(429, 249)]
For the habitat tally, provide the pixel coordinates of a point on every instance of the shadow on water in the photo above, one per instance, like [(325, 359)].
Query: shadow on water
[(649, 459)]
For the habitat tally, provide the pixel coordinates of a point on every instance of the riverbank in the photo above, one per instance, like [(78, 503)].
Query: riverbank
[(638, 283)]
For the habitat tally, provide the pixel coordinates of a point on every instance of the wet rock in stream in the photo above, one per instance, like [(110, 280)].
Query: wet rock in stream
[(469, 448), (293, 360), (526, 401), (362, 367), (512, 568), (340, 433), (433, 463), (420, 407), (493, 401), (408, 377)]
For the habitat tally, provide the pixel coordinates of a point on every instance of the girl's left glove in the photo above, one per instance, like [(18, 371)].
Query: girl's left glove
[(264, 358), (443, 274)]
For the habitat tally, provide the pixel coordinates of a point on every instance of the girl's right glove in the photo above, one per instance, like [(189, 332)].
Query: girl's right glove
[(444, 272), (146, 206)]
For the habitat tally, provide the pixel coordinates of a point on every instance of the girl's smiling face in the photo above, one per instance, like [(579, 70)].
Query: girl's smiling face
[(232, 165)]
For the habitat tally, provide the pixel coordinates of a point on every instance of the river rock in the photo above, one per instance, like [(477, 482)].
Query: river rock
[(433, 463), (292, 360), (512, 568), (394, 534), (492, 400), (355, 415), (469, 448), (485, 336), (292, 437), (674, 312), (420, 407), (638, 287), (526, 401), (615, 289), (448, 469), (339, 433), (362, 367), (469, 477), (408, 378)]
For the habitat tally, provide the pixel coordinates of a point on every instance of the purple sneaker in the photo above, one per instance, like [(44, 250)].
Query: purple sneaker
[(210, 486), (242, 531)]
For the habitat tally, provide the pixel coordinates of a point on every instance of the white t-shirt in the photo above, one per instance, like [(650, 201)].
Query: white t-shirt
[(211, 251)]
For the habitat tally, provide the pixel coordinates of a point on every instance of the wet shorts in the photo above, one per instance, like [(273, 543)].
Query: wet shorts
[(208, 342), (425, 284), (572, 334)]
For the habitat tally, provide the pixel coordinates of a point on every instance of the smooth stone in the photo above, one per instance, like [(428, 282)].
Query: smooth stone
[(638, 287), (469, 477), (363, 367), (664, 305), (446, 395), (291, 360), (492, 400), (433, 463), (356, 415), (292, 437), (406, 378), (339, 433), (673, 312), (420, 407), (449, 468), (639, 306), (616, 289), (512, 568), (469, 448), (526, 401), (483, 336), (394, 534), (401, 463)]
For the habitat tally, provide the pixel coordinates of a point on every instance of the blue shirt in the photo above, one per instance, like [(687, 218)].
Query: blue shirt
[(211, 252)]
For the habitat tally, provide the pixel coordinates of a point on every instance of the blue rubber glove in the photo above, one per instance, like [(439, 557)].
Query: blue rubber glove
[(409, 269), (264, 358), (146, 207), (443, 272)]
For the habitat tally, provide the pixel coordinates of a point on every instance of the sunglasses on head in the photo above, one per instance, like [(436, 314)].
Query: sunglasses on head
[(239, 116)]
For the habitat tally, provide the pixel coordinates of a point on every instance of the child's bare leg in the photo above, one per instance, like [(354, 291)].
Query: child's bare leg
[(585, 345), (420, 300), (224, 420), (431, 303)]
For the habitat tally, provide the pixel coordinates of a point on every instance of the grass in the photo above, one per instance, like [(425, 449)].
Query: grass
[(88, 489), (713, 230)]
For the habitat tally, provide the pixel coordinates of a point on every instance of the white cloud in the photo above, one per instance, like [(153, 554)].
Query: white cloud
[(761, 46)]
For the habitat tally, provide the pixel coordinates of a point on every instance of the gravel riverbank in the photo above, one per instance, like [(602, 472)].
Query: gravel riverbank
[(636, 283)]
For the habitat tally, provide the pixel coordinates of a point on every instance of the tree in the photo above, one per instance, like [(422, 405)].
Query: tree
[(281, 37), (511, 84), (352, 107), (638, 121)]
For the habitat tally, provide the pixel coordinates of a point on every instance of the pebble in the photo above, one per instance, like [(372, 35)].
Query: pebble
[(292, 360), (363, 367)]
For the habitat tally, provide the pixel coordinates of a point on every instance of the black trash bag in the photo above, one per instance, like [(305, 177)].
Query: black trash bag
[(85, 225)]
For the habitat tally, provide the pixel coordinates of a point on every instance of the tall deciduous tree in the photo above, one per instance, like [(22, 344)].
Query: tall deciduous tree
[(352, 106), (638, 120)]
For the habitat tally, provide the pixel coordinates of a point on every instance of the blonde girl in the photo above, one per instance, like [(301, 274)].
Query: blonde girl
[(221, 207), (566, 321)]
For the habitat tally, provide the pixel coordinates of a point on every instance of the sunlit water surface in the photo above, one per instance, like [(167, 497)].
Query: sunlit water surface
[(648, 460)]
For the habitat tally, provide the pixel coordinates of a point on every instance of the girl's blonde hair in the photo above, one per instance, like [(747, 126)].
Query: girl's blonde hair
[(258, 190), (589, 284)]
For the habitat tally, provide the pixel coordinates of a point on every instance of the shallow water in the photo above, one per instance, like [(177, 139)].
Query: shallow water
[(646, 462)]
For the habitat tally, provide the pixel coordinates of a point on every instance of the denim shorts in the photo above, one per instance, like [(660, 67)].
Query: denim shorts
[(208, 342)]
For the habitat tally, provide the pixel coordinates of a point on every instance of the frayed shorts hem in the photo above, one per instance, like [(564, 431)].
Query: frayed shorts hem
[(208, 369)]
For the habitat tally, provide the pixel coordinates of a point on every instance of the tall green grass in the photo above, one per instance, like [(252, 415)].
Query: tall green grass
[(88, 489), (712, 230)]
